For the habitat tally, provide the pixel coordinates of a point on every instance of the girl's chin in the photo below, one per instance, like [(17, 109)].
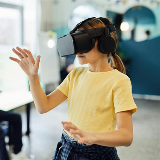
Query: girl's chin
[(82, 63)]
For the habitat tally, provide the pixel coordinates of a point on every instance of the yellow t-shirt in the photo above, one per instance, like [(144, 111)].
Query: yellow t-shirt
[(94, 98)]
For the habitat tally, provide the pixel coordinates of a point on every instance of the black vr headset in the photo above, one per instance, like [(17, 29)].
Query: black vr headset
[(82, 41)]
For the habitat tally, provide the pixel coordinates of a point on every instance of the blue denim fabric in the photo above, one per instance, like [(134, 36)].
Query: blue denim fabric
[(75, 156), (3, 151), (69, 149)]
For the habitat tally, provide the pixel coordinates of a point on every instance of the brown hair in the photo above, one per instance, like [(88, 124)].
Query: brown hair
[(115, 60)]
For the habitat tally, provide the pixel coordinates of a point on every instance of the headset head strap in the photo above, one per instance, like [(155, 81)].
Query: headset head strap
[(108, 24), (79, 24), (104, 20)]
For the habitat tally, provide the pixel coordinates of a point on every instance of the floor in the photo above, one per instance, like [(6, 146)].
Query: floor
[(46, 131)]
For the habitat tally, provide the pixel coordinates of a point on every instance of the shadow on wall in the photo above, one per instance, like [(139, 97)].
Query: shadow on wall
[(144, 70)]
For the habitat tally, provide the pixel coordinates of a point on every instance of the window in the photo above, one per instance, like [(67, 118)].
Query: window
[(18, 28), (11, 26)]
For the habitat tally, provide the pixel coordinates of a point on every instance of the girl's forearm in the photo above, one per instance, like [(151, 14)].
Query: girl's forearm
[(121, 137), (39, 97)]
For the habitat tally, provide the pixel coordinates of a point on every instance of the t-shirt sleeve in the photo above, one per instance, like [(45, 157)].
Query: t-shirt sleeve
[(122, 96), (64, 86)]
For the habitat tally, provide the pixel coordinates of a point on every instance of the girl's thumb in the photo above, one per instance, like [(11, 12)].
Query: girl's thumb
[(81, 141), (37, 61)]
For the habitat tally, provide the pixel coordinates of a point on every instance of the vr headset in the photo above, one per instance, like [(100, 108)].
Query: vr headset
[(82, 41)]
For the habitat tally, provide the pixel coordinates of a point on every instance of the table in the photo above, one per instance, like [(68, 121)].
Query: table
[(10, 100)]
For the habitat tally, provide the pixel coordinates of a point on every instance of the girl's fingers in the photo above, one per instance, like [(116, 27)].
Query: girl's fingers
[(22, 52), (82, 140), (75, 132), (14, 59), (69, 126), (37, 61), (68, 123), (17, 53), (29, 53)]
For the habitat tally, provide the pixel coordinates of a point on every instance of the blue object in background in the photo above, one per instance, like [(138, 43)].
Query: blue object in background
[(143, 15), (5, 127), (144, 70)]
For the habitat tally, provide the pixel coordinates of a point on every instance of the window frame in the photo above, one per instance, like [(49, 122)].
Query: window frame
[(20, 8)]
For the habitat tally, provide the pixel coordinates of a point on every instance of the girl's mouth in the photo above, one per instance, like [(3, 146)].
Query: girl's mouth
[(80, 56)]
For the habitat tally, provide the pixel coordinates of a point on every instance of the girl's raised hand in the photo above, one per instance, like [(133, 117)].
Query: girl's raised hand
[(28, 64), (82, 136)]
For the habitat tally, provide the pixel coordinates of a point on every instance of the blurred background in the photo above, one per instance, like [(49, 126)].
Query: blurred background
[(36, 25)]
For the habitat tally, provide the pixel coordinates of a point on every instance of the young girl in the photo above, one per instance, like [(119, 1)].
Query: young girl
[(99, 98)]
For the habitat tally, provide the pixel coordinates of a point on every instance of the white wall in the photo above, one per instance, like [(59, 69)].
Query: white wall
[(62, 11)]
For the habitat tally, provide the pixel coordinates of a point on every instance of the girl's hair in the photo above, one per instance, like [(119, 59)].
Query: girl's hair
[(115, 60)]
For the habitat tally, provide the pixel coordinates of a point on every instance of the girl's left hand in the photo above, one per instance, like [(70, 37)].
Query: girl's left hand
[(82, 136)]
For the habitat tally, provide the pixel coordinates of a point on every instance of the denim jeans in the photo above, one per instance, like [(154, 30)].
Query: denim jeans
[(3, 151), (75, 156), (69, 149), (16, 128)]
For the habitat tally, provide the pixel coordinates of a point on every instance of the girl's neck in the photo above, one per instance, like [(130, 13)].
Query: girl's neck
[(100, 67)]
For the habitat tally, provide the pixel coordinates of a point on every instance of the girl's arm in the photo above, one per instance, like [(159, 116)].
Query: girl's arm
[(30, 66), (121, 137), (43, 102)]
